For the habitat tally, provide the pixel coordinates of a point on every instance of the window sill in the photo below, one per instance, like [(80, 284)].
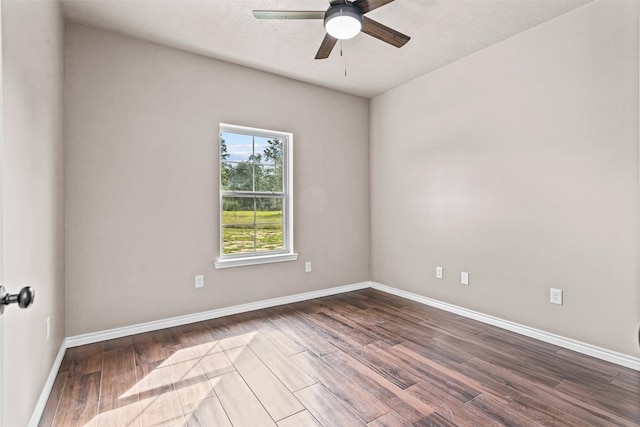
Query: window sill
[(254, 260)]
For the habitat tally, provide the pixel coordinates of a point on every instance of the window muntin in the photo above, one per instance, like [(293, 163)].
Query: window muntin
[(255, 193)]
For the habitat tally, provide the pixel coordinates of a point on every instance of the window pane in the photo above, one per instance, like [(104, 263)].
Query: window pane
[(269, 178), (238, 211), (237, 176), (237, 239), (238, 229), (268, 151), (268, 210), (269, 225), (225, 175), (269, 237), (236, 147)]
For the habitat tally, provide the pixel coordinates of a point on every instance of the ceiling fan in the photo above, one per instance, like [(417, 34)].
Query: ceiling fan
[(343, 20)]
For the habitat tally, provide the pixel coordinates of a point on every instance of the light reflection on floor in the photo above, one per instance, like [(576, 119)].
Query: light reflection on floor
[(192, 372)]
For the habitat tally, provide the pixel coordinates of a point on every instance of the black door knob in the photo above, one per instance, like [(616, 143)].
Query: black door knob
[(24, 298)]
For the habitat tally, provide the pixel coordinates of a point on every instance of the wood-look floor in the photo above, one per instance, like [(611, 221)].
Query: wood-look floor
[(361, 358)]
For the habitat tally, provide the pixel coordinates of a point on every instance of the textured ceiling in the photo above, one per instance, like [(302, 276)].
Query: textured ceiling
[(442, 31)]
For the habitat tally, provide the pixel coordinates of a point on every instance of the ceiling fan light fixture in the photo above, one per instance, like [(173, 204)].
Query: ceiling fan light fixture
[(343, 21)]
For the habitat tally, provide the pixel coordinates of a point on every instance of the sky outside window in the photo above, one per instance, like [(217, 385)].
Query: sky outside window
[(241, 147)]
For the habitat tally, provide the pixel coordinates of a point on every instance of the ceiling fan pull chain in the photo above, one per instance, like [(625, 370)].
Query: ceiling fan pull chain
[(345, 59)]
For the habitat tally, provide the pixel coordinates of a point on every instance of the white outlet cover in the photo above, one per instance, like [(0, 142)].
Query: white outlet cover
[(307, 267), (464, 278), (199, 281), (555, 296), (438, 272)]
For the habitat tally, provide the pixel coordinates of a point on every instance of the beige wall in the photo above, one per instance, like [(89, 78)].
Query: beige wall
[(519, 165), (141, 134), (32, 37)]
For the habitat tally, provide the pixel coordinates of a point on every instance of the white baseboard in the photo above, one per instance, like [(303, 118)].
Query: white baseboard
[(568, 343), (90, 338), (48, 385), (77, 340)]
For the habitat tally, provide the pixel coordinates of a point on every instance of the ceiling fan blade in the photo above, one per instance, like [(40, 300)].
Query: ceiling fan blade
[(369, 5), (384, 33), (326, 47), (288, 14)]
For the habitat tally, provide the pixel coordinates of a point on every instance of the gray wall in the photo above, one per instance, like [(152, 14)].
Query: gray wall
[(519, 165), (141, 135), (32, 38)]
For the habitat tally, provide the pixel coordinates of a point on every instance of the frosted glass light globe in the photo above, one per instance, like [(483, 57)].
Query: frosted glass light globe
[(343, 21)]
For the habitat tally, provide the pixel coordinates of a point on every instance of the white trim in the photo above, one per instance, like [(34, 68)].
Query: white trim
[(250, 131), (568, 343), (2, 357), (90, 338), (48, 385), (263, 259)]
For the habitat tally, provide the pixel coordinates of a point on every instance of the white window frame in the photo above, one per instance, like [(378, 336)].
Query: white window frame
[(253, 258)]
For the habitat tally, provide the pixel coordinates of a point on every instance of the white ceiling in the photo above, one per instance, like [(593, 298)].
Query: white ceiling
[(441, 31)]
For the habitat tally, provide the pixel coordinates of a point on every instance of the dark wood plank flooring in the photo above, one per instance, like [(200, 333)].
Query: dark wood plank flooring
[(354, 359)]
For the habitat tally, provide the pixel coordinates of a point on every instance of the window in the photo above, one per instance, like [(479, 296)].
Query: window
[(256, 209)]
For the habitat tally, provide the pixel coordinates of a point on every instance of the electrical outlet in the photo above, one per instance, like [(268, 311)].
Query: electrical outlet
[(555, 296), (307, 267), (48, 327), (438, 272), (464, 278), (200, 281)]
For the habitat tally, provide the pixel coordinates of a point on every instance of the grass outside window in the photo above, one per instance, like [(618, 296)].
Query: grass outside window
[(249, 231)]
